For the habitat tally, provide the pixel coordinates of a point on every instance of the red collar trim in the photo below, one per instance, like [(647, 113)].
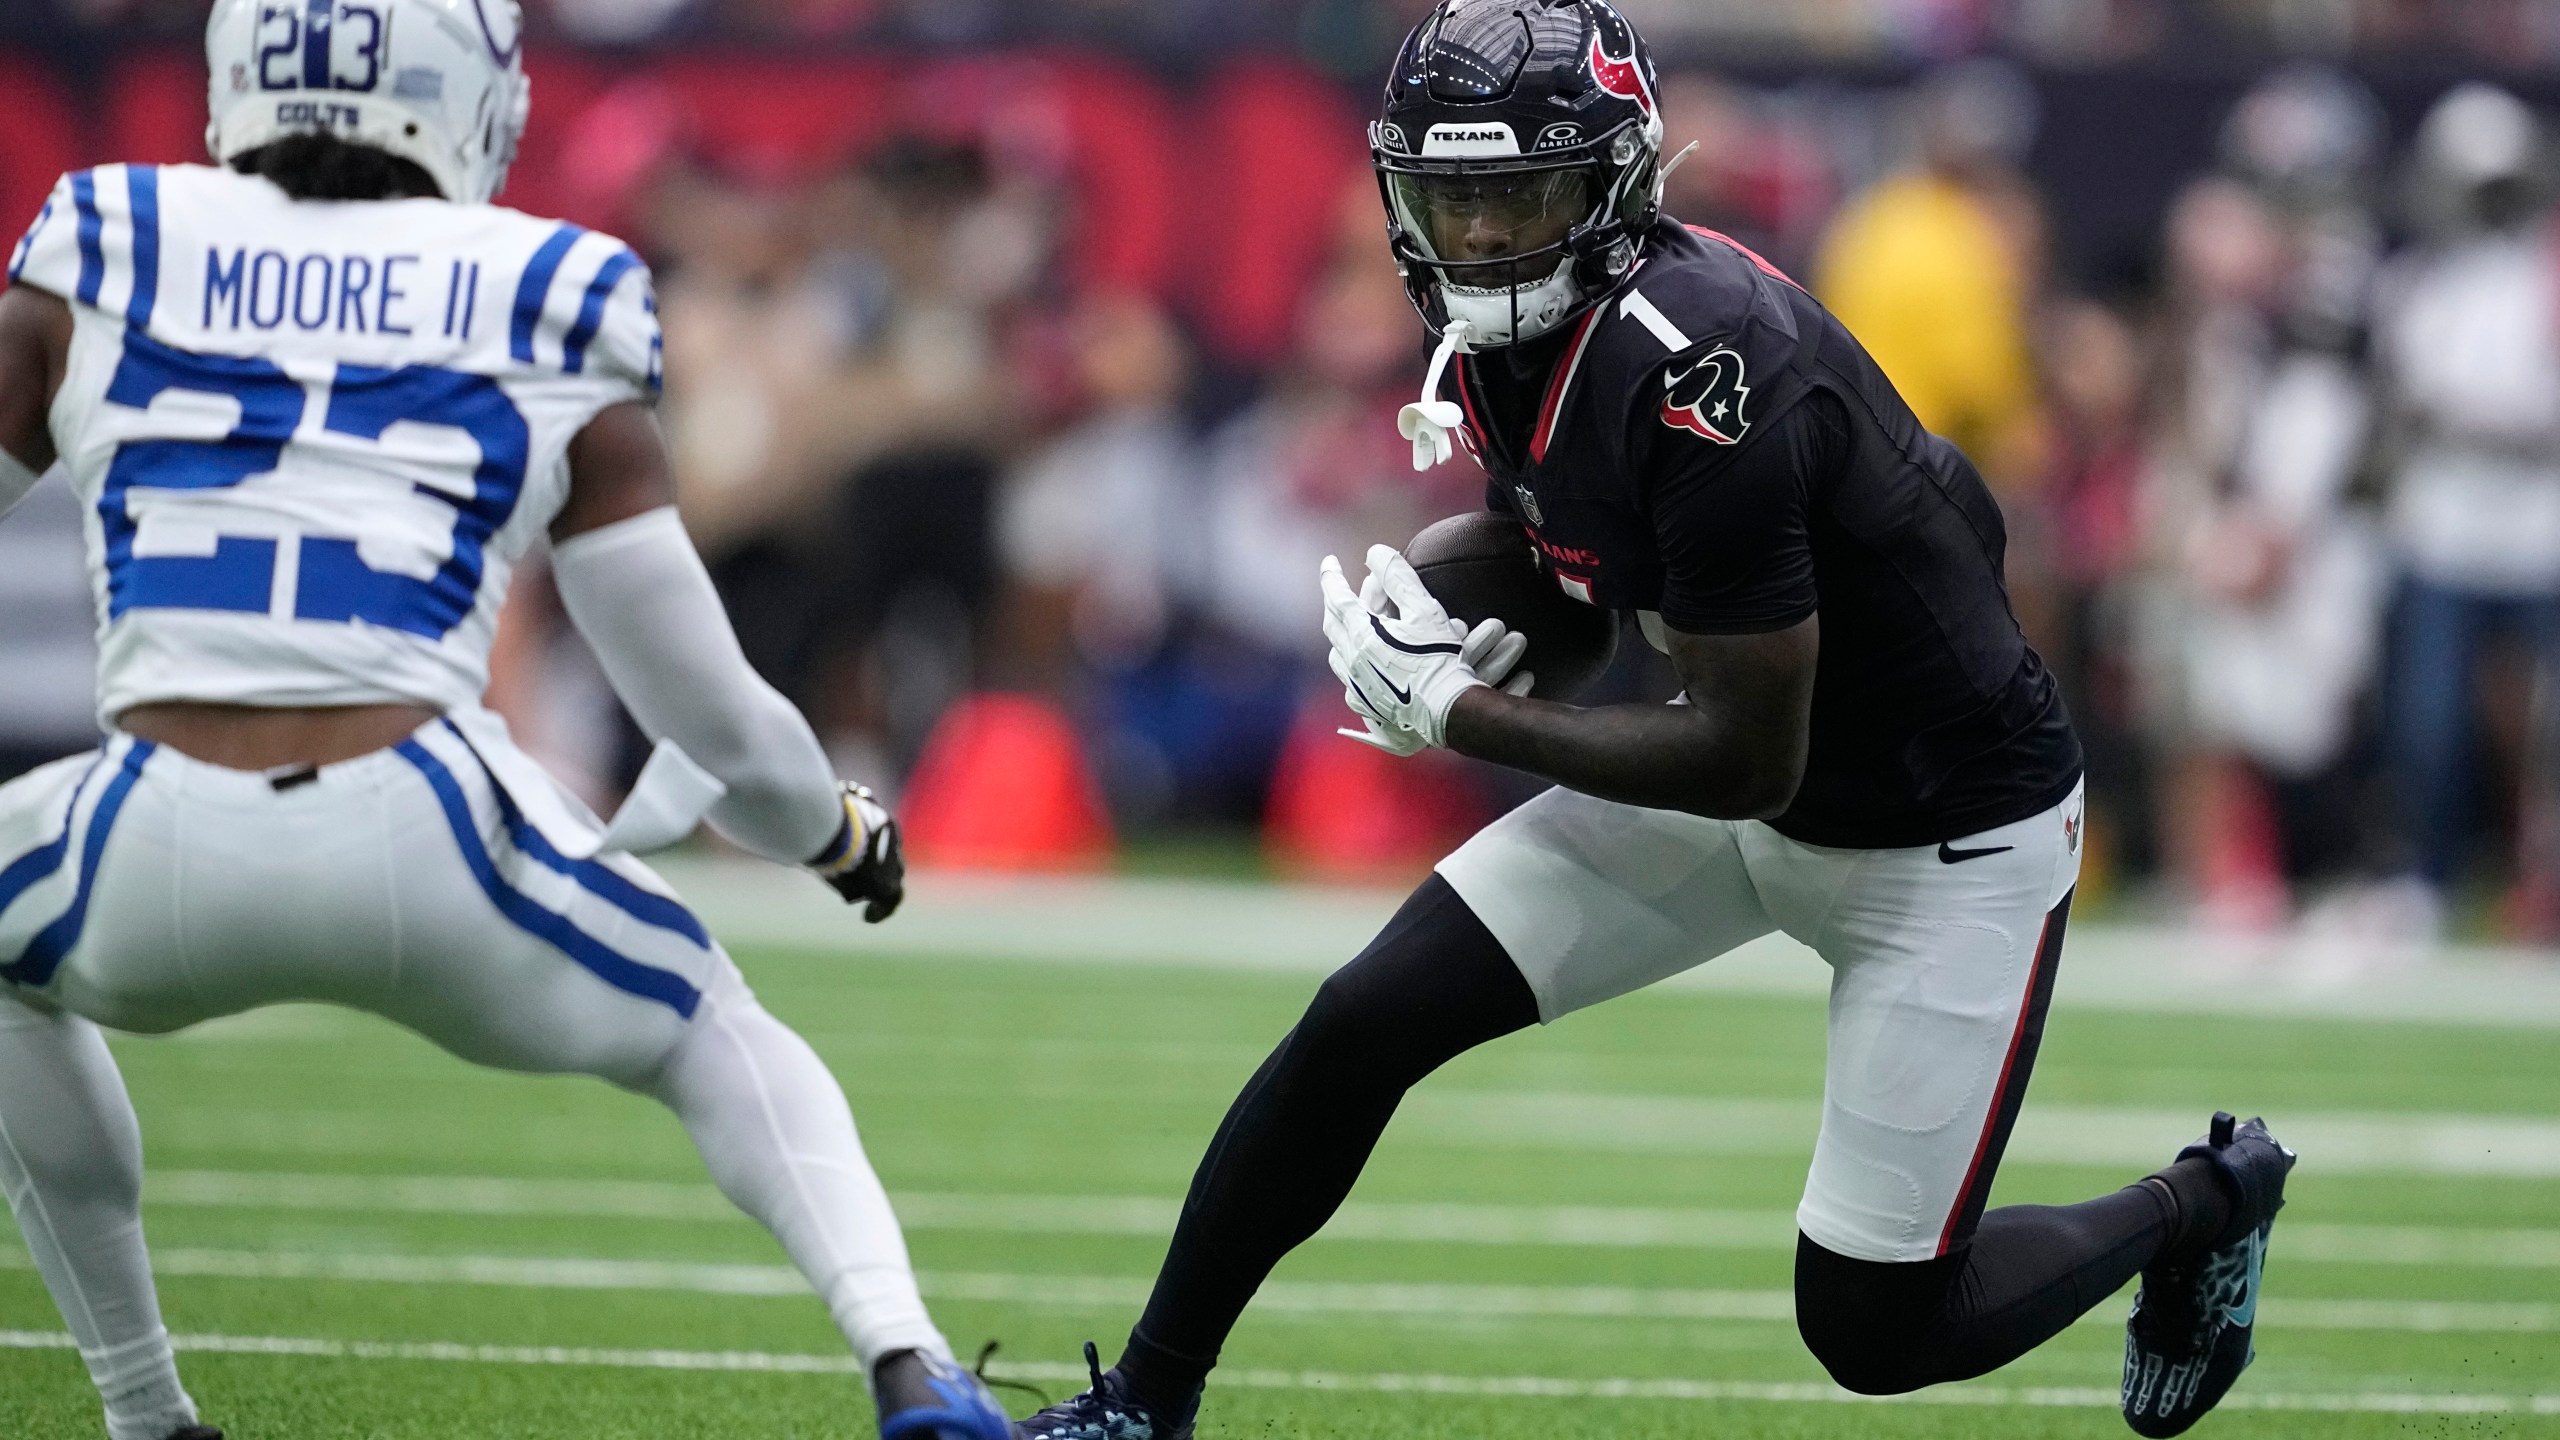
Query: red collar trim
[(1747, 252), (1562, 382)]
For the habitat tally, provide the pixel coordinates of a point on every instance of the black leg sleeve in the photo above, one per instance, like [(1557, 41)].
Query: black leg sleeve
[(1434, 984), (1883, 1328)]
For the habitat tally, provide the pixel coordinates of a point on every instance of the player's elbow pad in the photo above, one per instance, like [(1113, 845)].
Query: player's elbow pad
[(638, 592)]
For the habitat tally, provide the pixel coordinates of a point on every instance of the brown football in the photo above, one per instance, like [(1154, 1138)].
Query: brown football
[(1482, 564)]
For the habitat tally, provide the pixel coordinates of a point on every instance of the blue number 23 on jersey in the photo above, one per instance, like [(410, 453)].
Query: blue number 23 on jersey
[(334, 583)]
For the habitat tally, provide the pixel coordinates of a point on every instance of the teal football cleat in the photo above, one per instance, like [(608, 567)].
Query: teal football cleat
[(1108, 1411), (2193, 1325)]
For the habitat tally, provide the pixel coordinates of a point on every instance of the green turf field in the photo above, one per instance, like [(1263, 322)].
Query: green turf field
[(1578, 1232)]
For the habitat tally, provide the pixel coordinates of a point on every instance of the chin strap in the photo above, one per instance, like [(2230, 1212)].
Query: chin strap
[(1676, 161), (1430, 421)]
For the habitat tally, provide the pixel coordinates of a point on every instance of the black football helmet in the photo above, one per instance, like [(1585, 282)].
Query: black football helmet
[(1520, 157)]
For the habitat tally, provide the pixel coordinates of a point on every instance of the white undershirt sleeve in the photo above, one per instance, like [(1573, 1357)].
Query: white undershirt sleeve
[(638, 592)]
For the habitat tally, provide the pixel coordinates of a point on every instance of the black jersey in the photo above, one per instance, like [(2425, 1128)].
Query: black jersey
[(1710, 444)]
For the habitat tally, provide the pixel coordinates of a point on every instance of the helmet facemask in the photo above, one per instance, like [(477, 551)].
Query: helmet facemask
[(1514, 249), (1495, 243)]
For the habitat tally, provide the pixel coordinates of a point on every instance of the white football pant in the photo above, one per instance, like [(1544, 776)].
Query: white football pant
[(144, 890), (1942, 961)]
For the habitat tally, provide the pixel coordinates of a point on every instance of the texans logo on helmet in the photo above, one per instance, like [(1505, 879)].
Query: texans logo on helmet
[(1706, 399), (1621, 75)]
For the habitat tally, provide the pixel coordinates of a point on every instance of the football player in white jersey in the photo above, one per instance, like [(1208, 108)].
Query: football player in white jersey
[(317, 400)]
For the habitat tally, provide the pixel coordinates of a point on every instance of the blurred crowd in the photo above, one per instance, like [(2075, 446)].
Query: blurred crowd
[(1353, 38), (954, 417), (2285, 509), (2285, 514)]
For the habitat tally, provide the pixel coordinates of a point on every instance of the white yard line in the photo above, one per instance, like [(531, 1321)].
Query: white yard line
[(2525, 1147), (1569, 1226), (2376, 1399), (2130, 1139), (1309, 929), (1099, 1292)]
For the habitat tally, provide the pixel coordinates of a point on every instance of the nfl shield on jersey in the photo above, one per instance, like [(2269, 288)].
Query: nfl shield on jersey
[(313, 438)]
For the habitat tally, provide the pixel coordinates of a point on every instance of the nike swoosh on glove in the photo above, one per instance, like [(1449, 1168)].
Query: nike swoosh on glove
[(866, 865), (1401, 660)]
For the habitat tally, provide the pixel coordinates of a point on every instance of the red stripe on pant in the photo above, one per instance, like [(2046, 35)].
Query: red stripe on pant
[(2015, 1070)]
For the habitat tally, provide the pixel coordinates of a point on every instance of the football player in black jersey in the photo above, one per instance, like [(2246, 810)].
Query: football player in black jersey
[(1869, 757)]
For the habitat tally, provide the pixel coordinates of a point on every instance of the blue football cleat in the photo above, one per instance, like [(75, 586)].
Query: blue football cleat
[(2191, 1331), (1106, 1412), (960, 1408)]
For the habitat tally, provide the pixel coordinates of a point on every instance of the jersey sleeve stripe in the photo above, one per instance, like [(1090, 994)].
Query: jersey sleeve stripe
[(93, 255), (1645, 313), (27, 242), (657, 346), (142, 185), (535, 287), (573, 347)]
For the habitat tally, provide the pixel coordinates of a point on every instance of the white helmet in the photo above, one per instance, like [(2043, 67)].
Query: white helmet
[(438, 82)]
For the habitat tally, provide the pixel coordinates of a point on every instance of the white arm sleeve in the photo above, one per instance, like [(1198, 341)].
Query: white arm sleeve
[(15, 481), (638, 592)]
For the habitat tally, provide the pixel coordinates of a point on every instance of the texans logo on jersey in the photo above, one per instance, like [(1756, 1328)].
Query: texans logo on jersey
[(1706, 399)]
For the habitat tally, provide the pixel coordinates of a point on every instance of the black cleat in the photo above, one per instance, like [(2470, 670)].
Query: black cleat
[(2190, 1334), (1107, 1412), (196, 1432)]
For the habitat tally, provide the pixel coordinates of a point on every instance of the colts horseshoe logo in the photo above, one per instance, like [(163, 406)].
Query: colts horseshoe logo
[(1707, 398)]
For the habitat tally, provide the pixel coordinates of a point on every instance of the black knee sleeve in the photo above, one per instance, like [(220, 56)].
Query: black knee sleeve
[(1871, 1322), (1432, 985)]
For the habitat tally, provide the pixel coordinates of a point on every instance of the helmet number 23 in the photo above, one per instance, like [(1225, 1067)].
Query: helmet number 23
[(325, 577), (295, 45)]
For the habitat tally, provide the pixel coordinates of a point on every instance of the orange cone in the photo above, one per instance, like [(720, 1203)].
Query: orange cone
[(1003, 785), (1341, 811)]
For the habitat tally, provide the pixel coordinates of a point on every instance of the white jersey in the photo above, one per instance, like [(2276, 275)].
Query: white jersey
[(313, 437)]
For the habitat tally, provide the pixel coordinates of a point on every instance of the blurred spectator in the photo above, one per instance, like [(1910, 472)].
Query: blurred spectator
[(842, 382), (2473, 372), (2275, 580), (1935, 268), (1316, 468), (1089, 526), (1754, 175), (2089, 522)]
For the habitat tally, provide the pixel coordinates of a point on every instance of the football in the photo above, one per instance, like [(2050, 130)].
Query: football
[(1483, 564)]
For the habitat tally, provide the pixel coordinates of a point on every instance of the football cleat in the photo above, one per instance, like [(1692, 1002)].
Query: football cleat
[(195, 1432), (2193, 1324), (1106, 1412), (961, 1408)]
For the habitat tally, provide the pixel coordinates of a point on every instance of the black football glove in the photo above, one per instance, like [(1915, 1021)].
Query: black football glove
[(864, 863)]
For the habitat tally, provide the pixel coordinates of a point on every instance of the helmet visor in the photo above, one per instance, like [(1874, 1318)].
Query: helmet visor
[(1473, 226)]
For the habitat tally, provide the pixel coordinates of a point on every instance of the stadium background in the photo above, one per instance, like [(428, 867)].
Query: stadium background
[(1023, 358)]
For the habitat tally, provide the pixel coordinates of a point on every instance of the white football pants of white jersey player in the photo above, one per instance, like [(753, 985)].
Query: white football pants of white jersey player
[(1942, 959), (146, 891)]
